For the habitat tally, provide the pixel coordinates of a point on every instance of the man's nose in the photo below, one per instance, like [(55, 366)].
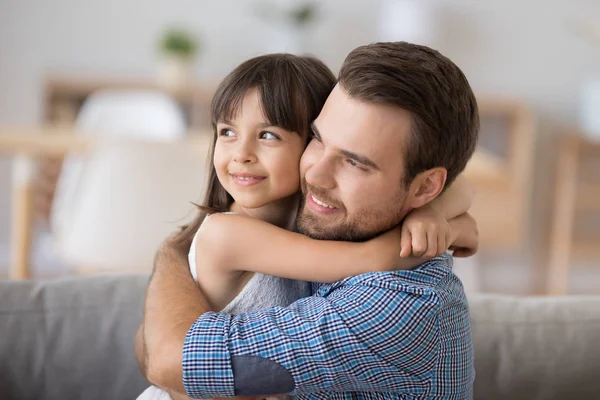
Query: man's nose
[(321, 174)]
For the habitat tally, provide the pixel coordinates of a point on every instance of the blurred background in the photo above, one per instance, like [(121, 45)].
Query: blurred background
[(77, 75)]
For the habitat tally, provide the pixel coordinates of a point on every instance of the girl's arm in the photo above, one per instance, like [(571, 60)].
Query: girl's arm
[(465, 236), (228, 242), (455, 200)]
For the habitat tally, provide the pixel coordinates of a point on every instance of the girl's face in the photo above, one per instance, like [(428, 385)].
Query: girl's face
[(257, 163)]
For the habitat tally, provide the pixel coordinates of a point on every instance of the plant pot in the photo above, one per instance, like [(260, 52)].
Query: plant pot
[(174, 72)]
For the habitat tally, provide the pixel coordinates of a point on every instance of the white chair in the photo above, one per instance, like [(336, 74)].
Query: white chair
[(110, 115), (130, 197)]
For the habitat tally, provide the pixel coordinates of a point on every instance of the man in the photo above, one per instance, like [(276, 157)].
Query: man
[(405, 120)]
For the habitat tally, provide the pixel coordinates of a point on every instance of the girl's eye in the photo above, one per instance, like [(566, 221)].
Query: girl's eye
[(269, 136), (314, 136), (226, 132)]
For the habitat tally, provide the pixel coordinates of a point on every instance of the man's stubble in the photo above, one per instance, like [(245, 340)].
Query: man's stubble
[(360, 227)]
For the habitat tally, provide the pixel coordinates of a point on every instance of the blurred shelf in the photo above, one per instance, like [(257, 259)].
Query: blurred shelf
[(576, 196), (501, 170), (64, 96), (586, 249), (54, 141), (588, 197), (485, 168), (46, 141)]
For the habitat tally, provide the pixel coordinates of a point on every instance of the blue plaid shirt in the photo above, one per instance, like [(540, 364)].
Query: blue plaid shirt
[(400, 334)]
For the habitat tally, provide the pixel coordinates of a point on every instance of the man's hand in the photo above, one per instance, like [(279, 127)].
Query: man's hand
[(425, 233)]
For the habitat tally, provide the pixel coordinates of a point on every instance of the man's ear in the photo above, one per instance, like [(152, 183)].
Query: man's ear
[(426, 186)]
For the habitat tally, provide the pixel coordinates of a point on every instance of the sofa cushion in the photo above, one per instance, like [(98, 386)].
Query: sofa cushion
[(70, 338), (73, 339), (536, 347)]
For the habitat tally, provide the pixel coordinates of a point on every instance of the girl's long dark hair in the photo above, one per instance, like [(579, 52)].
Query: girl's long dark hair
[(292, 89)]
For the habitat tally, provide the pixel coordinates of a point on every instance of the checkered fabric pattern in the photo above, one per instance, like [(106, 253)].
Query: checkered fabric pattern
[(400, 334)]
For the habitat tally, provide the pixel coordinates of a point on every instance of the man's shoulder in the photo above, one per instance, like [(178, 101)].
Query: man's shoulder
[(431, 276), (425, 307), (432, 282)]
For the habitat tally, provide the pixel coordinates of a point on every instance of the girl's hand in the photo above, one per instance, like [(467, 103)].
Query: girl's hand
[(464, 229), (425, 233)]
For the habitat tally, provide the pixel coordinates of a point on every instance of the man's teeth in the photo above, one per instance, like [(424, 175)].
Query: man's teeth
[(319, 202)]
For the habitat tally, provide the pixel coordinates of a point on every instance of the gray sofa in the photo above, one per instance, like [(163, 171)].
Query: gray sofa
[(73, 339)]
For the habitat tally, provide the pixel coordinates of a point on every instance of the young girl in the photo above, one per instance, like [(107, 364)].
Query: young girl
[(261, 115)]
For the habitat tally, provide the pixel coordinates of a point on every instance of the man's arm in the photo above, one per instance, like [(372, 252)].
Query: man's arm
[(173, 303), (140, 350), (367, 335)]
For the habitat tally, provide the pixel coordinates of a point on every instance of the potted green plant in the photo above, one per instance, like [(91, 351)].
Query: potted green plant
[(293, 23), (178, 50)]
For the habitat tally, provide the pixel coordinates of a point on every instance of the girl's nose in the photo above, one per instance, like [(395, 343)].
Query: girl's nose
[(245, 154)]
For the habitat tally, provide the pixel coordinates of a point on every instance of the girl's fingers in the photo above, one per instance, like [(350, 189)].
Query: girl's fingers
[(432, 244), (442, 245), (405, 243), (419, 243)]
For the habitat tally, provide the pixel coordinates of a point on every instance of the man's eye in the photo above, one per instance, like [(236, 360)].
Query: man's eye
[(269, 136), (226, 132), (356, 165)]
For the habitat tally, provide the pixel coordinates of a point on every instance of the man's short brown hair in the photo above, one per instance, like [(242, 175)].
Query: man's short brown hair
[(430, 86)]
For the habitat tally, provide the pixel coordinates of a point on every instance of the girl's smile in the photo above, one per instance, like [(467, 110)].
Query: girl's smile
[(245, 179)]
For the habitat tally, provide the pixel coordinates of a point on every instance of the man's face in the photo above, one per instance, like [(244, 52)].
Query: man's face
[(352, 170)]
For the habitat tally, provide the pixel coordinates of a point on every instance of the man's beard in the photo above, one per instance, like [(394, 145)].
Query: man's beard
[(363, 226)]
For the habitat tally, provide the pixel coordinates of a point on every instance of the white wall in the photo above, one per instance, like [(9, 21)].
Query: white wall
[(517, 48), (118, 38), (527, 50)]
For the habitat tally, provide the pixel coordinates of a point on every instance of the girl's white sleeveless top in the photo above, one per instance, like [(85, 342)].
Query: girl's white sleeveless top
[(261, 292)]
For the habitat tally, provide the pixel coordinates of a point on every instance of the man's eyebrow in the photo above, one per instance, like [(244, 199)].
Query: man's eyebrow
[(361, 159), (356, 157)]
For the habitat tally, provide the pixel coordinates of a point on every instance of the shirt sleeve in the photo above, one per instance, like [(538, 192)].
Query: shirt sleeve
[(357, 338)]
